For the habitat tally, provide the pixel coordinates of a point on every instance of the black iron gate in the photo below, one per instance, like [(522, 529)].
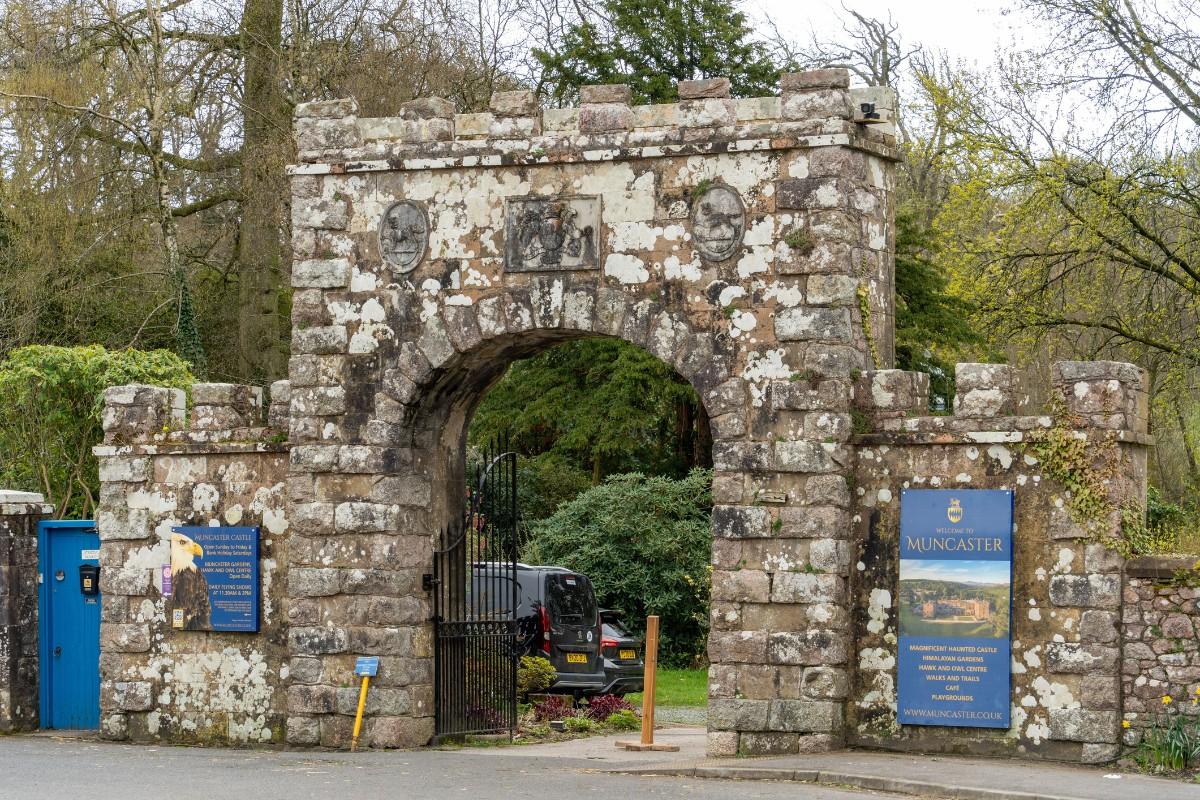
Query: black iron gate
[(475, 602)]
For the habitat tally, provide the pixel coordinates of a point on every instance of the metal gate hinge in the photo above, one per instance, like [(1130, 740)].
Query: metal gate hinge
[(428, 582)]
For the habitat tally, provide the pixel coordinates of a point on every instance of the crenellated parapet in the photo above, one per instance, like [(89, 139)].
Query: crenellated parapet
[(817, 107)]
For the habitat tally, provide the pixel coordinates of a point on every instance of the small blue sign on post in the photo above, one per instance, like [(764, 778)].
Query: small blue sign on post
[(366, 666), (955, 602)]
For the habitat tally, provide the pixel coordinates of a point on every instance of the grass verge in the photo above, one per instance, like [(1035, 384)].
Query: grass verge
[(678, 687)]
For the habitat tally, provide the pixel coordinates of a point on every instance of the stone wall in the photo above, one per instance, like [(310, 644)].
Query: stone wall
[(161, 467), (1160, 634), (1066, 663), (19, 516), (746, 243)]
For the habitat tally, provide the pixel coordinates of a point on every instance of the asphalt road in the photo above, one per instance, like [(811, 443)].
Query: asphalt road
[(35, 767)]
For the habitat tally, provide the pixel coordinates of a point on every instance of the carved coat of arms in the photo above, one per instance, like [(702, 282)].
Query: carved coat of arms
[(551, 234)]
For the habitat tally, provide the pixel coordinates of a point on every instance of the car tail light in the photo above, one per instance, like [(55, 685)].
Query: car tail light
[(544, 616), (608, 642)]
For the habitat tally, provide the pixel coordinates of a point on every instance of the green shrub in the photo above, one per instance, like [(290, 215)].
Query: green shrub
[(579, 725), (625, 720), (534, 674), (50, 405), (646, 544)]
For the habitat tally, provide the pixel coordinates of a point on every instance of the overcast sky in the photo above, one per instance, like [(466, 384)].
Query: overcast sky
[(967, 29)]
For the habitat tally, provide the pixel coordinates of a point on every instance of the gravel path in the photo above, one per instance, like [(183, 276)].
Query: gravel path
[(683, 715)]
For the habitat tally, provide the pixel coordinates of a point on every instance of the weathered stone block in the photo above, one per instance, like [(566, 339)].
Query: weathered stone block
[(321, 273), (802, 456), (1081, 659), (1099, 626), (803, 587), (817, 104), (605, 93), (1084, 725), (833, 78), (985, 390), (323, 340), (703, 88), (517, 103), (814, 522), (812, 324), (805, 648), (132, 696), (327, 109), (303, 731), (124, 638), (740, 715), (1086, 591), (308, 582), (428, 108), (742, 585), (741, 522), (805, 716), (316, 641)]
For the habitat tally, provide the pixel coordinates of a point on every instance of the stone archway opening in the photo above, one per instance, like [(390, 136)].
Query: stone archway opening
[(445, 409)]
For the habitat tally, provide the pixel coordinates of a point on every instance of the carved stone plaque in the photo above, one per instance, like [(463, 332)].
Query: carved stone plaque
[(553, 233), (403, 236), (718, 222)]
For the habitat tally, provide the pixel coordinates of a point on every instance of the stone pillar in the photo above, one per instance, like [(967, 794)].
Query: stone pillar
[(891, 394), (985, 390), (19, 515), (1100, 398), (1110, 395)]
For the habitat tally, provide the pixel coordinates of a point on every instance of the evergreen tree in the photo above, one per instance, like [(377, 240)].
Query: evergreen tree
[(597, 406), (932, 325), (652, 44)]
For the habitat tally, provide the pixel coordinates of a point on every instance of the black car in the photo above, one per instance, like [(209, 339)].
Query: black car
[(557, 620), (622, 654)]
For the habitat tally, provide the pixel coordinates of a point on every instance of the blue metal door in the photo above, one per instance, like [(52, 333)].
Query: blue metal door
[(69, 624)]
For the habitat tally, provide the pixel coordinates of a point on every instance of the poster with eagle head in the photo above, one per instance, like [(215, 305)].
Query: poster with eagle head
[(214, 579)]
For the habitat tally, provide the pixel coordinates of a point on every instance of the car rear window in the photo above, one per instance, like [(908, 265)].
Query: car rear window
[(570, 598), (613, 630), (491, 595)]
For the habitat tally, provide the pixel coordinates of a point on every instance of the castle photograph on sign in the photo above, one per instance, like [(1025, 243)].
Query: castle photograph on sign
[(954, 598)]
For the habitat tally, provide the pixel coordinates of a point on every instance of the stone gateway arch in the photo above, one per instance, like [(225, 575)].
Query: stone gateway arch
[(748, 244)]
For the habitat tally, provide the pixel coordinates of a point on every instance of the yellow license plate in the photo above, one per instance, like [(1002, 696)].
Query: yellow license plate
[(628, 654), (576, 658)]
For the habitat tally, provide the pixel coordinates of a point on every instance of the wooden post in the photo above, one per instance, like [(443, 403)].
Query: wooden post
[(649, 680)]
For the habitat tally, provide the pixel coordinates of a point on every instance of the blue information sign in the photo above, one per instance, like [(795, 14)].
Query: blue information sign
[(366, 666), (955, 607), (214, 579)]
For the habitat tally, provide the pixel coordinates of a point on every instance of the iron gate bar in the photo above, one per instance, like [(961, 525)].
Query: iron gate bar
[(475, 597)]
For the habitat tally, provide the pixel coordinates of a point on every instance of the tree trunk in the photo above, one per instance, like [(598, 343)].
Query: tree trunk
[(263, 267)]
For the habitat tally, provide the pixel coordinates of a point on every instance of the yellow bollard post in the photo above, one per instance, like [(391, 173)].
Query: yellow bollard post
[(367, 667), (362, 703), (649, 685)]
